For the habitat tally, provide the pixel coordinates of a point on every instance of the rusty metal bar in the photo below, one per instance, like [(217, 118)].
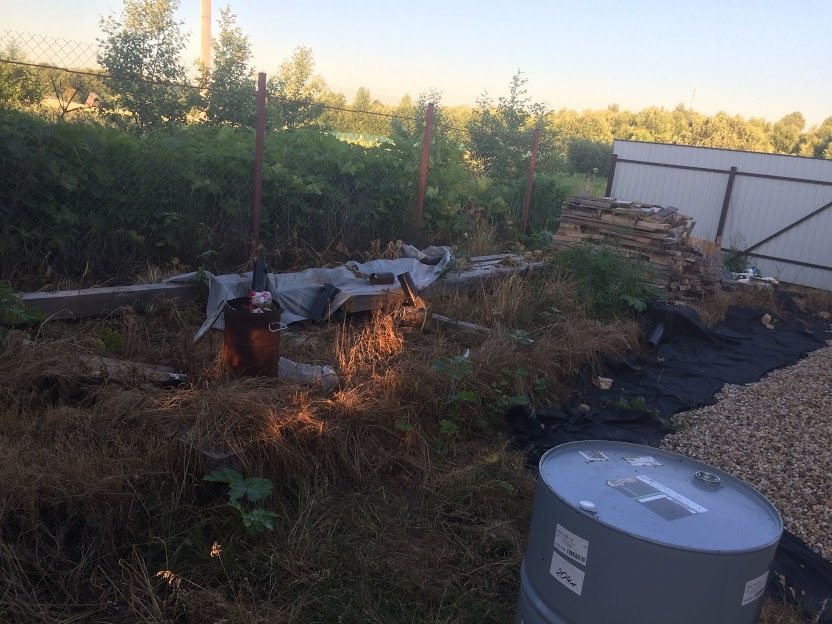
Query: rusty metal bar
[(259, 135), (532, 164), (726, 201), (423, 174)]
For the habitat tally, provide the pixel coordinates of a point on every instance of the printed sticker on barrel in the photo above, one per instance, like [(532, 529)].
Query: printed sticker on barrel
[(571, 545), (566, 574), (593, 456), (667, 503), (754, 589)]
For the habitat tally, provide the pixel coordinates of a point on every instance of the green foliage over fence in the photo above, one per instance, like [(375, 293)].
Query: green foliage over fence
[(85, 198)]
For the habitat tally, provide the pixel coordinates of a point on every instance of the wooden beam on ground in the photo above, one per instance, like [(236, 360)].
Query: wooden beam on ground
[(86, 302), (89, 302), (429, 322), (473, 275), (101, 367), (477, 275)]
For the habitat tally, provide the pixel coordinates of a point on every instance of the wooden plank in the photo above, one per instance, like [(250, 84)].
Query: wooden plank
[(477, 259), (635, 221), (626, 227), (86, 302), (371, 301), (430, 322), (452, 281), (101, 367)]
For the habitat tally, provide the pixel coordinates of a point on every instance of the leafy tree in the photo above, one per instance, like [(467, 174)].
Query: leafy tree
[(588, 156), (20, 86), (363, 121), (785, 138), (231, 97), (732, 132), (333, 112), (796, 120), (141, 48), (298, 92), (820, 141), (405, 107), (501, 136)]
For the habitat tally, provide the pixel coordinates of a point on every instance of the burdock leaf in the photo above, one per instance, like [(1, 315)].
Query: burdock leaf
[(256, 488), (223, 475)]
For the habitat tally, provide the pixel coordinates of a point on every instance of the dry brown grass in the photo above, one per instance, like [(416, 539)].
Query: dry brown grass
[(815, 300), (481, 240), (713, 309), (104, 516)]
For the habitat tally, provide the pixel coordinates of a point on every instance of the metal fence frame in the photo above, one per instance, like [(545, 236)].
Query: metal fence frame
[(709, 194)]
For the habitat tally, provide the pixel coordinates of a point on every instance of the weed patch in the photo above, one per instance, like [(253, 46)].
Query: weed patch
[(607, 283)]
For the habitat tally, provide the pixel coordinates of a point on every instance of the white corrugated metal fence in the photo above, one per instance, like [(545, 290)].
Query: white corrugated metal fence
[(779, 208)]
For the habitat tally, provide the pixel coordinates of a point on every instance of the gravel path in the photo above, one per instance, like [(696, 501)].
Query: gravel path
[(775, 434)]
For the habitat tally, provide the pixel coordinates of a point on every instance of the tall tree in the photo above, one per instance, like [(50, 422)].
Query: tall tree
[(298, 91), (231, 96), (819, 142), (363, 121), (501, 136), (785, 135), (20, 86), (142, 47)]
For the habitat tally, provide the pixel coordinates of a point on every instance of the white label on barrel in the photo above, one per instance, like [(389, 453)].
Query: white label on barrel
[(754, 589), (672, 494), (593, 456), (567, 574), (642, 462), (571, 545)]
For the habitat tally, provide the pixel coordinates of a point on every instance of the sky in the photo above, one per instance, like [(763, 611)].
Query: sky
[(753, 58)]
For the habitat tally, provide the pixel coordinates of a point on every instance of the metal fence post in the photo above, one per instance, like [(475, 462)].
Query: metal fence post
[(423, 174), (611, 175), (259, 135), (532, 164), (726, 201)]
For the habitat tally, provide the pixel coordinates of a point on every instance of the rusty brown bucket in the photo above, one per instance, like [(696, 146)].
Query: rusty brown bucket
[(251, 342)]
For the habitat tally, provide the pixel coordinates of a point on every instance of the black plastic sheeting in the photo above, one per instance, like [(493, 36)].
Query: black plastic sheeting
[(688, 365)]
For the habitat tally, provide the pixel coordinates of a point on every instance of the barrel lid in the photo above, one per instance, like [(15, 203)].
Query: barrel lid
[(660, 496)]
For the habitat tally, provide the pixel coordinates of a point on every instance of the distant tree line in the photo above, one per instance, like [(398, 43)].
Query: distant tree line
[(141, 53)]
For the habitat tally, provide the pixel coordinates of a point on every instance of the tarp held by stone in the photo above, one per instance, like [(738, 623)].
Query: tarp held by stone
[(296, 293)]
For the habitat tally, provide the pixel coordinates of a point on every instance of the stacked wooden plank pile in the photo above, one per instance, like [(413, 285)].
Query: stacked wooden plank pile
[(658, 238)]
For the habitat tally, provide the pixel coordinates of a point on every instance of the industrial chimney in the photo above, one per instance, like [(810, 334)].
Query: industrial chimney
[(205, 51)]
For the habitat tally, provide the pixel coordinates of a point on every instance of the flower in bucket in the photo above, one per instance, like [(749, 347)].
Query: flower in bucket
[(259, 302)]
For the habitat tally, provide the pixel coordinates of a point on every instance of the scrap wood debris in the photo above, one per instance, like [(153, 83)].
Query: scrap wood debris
[(658, 238)]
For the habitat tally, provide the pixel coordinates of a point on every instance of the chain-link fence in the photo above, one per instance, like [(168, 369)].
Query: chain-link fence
[(106, 173)]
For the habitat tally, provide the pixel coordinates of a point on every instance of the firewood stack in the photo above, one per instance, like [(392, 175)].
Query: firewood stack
[(657, 238)]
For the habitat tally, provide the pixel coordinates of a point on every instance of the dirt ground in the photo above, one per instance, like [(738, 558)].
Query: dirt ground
[(395, 498)]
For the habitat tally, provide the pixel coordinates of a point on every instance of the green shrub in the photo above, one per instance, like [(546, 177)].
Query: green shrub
[(13, 311), (733, 258), (588, 156), (608, 284), (89, 199)]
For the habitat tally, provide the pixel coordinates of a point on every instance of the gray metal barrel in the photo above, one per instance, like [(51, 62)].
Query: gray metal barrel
[(623, 533)]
